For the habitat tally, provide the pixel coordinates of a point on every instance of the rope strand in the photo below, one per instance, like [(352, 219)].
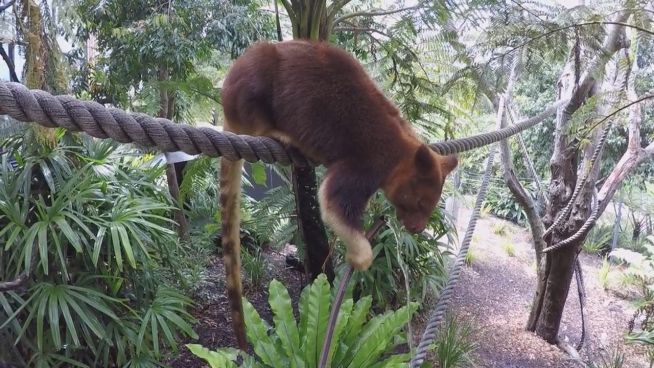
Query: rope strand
[(438, 313), (50, 111)]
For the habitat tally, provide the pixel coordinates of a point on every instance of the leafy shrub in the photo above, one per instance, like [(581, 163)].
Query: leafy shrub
[(603, 273), (598, 240), (401, 259), (470, 257), (455, 345), (92, 228), (357, 342), (640, 272), (255, 267), (502, 204)]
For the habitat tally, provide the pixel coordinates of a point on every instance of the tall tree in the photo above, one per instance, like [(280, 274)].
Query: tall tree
[(153, 46), (595, 88)]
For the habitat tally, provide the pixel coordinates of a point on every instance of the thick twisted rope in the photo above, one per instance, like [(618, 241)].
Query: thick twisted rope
[(583, 231), (563, 215), (485, 139), (438, 313), (98, 121), (340, 295)]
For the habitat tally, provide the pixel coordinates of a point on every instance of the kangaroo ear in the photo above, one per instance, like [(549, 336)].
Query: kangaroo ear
[(424, 159), (448, 163)]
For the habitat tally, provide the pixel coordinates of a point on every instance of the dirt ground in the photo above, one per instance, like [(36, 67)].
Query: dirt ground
[(214, 323), (494, 293)]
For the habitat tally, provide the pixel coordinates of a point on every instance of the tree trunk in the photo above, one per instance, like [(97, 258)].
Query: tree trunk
[(310, 22), (555, 276), (616, 226), (167, 110), (312, 230)]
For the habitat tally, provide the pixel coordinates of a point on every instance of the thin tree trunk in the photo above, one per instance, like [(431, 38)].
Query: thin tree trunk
[(10, 64), (518, 191), (167, 110), (616, 226), (308, 23), (312, 230)]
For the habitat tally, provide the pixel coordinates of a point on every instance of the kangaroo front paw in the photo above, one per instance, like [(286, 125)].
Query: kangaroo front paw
[(361, 259)]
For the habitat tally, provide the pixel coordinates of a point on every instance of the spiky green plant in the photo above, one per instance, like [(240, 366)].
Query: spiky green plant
[(598, 240), (613, 359), (455, 345), (358, 341), (92, 228)]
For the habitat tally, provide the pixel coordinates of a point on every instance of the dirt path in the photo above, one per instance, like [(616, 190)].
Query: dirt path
[(496, 293)]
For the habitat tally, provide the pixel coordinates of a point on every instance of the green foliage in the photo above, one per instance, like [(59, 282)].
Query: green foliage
[(400, 257), (598, 240), (255, 267), (146, 46), (358, 341), (455, 344), (509, 248), (470, 257), (603, 273), (273, 218), (92, 228), (640, 273), (503, 205), (614, 359), (499, 228), (223, 358)]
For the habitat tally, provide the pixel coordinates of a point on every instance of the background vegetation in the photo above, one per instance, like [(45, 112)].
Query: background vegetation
[(91, 226)]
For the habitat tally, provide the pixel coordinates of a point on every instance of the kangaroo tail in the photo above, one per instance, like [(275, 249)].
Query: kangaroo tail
[(230, 200)]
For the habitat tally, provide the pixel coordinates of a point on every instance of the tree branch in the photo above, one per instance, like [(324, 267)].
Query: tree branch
[(10, 65), (377, 13), (22, 279), (277, 23), (335, 7), (15, 283), (361, 30), (518, 191), (577, 25), (289, 9), (7, 5)]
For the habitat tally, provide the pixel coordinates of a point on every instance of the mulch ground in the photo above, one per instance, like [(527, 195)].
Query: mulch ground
[(494, 293), (214, 325)]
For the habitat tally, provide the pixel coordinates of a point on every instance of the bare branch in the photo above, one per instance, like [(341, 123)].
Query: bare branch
[(377, 12), (10, 65), (335, 7), (7, 5), (289, 8), (14, 284), (518, 191), (361, 30)]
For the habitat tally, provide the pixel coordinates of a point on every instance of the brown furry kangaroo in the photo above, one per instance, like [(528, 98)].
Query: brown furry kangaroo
[(319, 99)]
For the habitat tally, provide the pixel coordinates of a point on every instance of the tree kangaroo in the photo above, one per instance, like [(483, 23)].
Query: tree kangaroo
[(319, 99)]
